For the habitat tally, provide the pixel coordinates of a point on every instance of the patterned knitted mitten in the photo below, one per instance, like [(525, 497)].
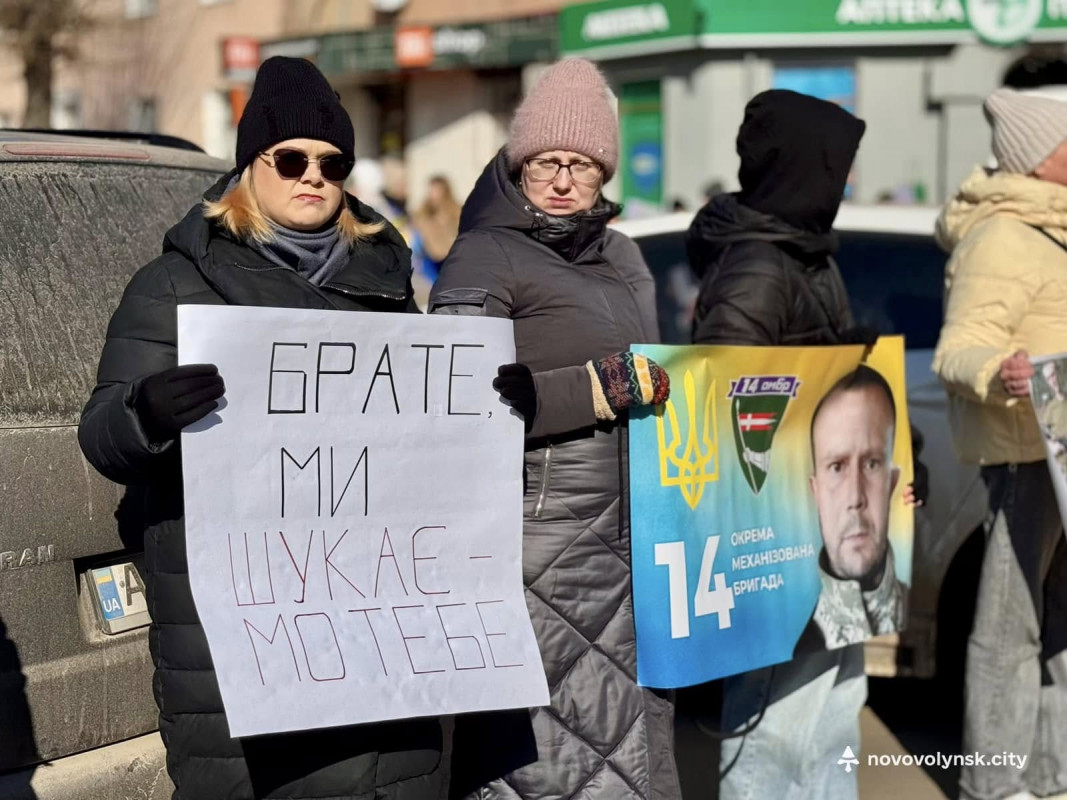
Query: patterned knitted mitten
[(626, 379)]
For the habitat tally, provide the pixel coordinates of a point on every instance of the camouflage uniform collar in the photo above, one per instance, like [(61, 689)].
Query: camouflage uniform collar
[(845, 614)]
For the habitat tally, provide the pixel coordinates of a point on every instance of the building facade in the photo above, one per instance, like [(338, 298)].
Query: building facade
[(433, 83), (916, 70), (153, 65)]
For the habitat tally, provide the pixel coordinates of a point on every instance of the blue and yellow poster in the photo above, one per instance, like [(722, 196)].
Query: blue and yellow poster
[(767, 507)]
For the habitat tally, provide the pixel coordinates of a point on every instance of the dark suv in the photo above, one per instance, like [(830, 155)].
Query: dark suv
[(79, 216)]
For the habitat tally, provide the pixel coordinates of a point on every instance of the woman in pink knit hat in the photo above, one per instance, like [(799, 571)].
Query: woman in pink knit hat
[(534, 247)]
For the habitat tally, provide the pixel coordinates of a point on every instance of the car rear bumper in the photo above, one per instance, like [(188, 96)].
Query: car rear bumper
[(135, 768)]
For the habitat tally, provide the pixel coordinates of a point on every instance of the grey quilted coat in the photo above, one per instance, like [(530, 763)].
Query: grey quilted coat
[(576, 291)]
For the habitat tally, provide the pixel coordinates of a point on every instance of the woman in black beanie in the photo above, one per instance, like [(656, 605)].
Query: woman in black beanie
[(277, 231)]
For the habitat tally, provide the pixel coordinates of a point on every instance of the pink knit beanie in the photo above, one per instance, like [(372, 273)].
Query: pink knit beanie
[(568, 109)]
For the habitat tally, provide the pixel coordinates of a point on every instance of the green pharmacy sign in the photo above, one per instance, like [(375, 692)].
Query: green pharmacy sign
[(630, 27), (829, 22)]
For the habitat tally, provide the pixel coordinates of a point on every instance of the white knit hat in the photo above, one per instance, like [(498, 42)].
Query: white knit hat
[(1027, 129)]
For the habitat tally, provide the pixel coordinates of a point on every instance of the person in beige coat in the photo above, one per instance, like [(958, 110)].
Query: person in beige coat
[(1006, 301)]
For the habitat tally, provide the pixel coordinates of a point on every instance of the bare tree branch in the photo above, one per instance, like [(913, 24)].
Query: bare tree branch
[(39, 32)]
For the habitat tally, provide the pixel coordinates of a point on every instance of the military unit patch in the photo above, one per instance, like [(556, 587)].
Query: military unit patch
[(759, 403)]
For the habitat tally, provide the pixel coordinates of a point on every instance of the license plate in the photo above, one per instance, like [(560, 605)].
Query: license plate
[(119, 597)]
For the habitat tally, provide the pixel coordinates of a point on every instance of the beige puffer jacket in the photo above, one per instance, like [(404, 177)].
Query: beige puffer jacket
[(1006, 290)]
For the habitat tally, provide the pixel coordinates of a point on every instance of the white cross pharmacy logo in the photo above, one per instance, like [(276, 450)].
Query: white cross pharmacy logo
[(1005, 22)]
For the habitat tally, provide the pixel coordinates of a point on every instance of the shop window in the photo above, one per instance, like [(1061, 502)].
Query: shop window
[(835, 83), (391, 101), (66, 109), (219, 113), (141, 115), (641, 134), (140, 9), (503, 96)]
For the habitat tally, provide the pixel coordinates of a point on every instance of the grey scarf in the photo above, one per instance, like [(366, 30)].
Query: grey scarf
[(317, 256)]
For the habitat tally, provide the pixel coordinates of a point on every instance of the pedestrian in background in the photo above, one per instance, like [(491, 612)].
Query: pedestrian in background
[(1006, 285), (381, 184), (534, 247), (278, 231), (437, 223)]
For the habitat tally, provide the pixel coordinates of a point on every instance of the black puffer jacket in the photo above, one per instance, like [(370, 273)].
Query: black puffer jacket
[(201, 264), (576, 291), (763, 282)]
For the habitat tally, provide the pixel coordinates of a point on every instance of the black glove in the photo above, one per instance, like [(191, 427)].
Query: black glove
[(169, 400), (516, 385), (921, 482)]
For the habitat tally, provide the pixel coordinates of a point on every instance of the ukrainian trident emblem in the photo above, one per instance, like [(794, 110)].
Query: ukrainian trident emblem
[(698, 462), (759, 403)]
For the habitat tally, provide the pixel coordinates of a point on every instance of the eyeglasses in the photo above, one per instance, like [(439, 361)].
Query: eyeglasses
[(292, 164), (546, 169)]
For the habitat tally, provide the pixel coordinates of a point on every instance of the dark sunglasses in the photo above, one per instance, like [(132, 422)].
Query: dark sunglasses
[(292, 164)]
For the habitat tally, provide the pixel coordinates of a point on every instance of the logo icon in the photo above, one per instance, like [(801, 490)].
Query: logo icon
[(848, 760), (698, 463), (413, 46), (759, 403), (1005, 22)]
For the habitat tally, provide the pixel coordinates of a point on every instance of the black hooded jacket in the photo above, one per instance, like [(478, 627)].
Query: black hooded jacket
[(202, 264), (763, 282), (765, 256)]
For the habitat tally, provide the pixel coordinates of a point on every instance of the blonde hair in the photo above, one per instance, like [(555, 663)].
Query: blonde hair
[(239, 213)]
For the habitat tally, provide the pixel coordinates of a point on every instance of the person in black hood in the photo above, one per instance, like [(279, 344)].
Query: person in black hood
[(278, 231), (796, 154), (534, 247), (764, 257)]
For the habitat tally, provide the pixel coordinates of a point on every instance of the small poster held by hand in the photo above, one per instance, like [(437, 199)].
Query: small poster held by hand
[(1048, 391)]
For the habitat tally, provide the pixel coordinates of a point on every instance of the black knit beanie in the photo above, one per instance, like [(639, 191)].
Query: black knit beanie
[(291, 99)]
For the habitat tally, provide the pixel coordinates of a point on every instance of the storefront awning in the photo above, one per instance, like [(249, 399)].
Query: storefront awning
[(619, 28), (499, 43)]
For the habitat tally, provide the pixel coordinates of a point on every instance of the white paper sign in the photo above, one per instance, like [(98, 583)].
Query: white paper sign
[(353, 517)]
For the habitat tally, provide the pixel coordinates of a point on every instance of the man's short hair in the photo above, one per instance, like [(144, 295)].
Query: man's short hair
[(860, 378)]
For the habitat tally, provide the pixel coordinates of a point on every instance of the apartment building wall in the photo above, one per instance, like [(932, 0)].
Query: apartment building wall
[(172, 61), (162, 69), (12, 90), (441, 120), (150, 64)]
